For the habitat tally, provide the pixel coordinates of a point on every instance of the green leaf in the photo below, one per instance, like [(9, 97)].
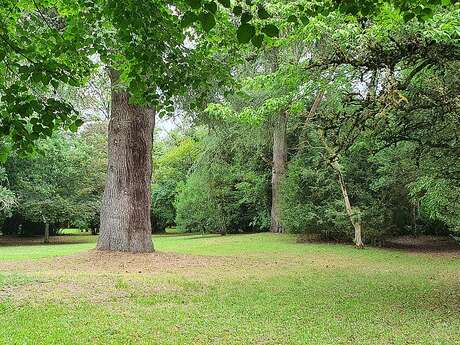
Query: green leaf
[(73, 127), (47, 119), (169, 108), (293, 19), (257, 40), (55, 83), (225, 3), (207, 20), (211, 7), (246, 17), (408, 16), (305, 20), (48, 131), (37, 129), (271, 30), (419, 9), (36, 77), (188, 18), (195, 4), (262, 13), (4, 152), (237, 10), (78, 122), (245, 32), (427, 12)]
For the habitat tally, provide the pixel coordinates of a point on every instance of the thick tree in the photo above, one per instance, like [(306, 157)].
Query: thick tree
[(125, 212)]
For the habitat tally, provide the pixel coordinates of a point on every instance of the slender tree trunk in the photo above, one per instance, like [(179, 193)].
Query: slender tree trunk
[(348, 207), (278, 169), (125, 213), (414, 217), (355, 222), (47, 233), (335, 165)]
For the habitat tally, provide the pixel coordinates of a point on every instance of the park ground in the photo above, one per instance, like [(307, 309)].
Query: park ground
[(238, 289)]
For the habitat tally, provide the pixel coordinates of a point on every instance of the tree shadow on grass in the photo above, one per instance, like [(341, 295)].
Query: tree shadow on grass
[(186, 236), (195, 236), (434, 245), (15, 241), (198, 236)]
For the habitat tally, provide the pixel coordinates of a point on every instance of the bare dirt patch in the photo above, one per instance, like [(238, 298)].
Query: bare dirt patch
[(433, 245), (430, 245), (112, 277), (6, 241), (94, 261), (316, 238), (104, 277)]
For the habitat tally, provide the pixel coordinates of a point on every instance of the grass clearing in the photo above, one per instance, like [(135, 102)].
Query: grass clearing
[(41, 251), (244, 289)]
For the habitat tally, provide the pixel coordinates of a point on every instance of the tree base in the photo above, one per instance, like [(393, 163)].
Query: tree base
[(133, 243)]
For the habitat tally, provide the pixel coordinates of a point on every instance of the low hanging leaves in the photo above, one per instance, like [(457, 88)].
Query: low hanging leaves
[(271, 30), (257, 40), (225, 3), (195, 4), (207, 20), (188, 18), (262, 13), (245, 32)]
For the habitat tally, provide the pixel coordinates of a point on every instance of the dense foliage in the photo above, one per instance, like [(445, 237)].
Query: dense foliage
[(61, 186), (227, 191), (364, 96)]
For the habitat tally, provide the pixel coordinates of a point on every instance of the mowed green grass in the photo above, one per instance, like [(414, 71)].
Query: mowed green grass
[(250, 289)]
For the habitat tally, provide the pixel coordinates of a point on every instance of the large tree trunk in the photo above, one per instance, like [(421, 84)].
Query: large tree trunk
[(125, 212), (278, 169)]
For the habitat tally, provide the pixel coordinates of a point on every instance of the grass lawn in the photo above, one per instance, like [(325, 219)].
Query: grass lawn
[(241, 289)]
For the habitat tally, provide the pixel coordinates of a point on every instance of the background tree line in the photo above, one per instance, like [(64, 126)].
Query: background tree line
[(350, 125)]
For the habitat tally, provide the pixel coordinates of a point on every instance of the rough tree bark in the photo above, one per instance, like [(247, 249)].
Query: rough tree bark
[(125, 212), (278, 169)]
